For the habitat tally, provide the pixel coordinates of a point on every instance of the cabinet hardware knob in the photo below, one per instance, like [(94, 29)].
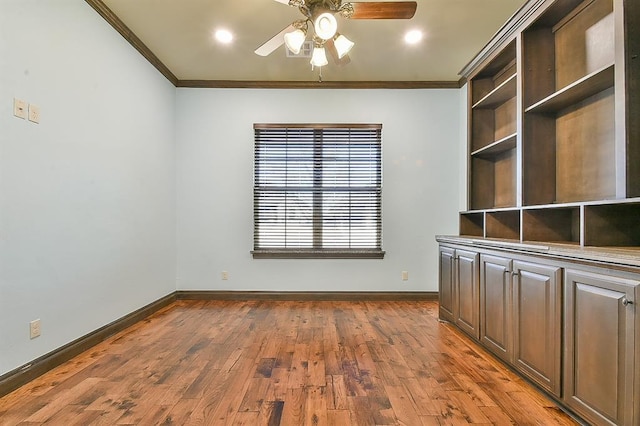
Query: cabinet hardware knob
[(626, 301), (515, 273)]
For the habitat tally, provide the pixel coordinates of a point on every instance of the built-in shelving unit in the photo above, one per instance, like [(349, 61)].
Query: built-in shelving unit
[(553, 151), (545, 273), (494, 132)]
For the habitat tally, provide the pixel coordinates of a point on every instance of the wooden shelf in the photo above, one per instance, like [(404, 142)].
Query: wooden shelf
[(503, 224), (505, 91), (472, 224), (557, 224), (612, 224), (582, 89), (494, 181), (497, 147)]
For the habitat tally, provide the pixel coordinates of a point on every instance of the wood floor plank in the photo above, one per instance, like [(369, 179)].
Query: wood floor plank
[(421, 392), (270, 413), (336, 393), (282, 363), (403, 405), (339, 417), (294, 409), (316, 406)]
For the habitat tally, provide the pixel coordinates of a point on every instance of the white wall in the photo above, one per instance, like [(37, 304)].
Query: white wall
[(87, 197), (421, 159)]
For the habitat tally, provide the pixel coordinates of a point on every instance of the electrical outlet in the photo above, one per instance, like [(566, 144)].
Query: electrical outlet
[(34, 329), (19, 108), (225, 275), (34, 113), (405, 275)]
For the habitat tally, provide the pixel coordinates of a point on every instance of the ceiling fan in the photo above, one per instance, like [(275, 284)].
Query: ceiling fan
[(320, 13)]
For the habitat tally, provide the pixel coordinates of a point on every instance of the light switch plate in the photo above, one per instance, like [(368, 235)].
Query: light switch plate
[(19, 108), (34, 113)]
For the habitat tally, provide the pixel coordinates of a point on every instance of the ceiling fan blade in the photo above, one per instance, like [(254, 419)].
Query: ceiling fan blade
[(384, 10), (274, 42)]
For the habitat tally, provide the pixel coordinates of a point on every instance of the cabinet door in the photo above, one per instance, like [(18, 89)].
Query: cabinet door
[(446, 284), (537, 323), (495, 283), (466, 314), (599, 347)]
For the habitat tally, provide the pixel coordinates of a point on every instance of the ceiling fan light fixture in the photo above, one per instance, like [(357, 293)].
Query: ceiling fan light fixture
[(295, 39), (319, 57), (343, 45), (325, 25)]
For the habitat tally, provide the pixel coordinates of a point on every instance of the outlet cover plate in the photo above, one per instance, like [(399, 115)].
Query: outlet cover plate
[(34, 329)]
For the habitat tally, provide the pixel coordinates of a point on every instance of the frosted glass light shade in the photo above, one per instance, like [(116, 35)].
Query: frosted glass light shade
[(343, 45), (325, 25), (294, 40), (319, 57)]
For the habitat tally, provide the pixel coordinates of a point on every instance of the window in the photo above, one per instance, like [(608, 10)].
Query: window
[(317, 190)]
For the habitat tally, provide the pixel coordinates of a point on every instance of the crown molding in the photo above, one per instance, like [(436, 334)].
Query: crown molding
[(133, 39), (246, 84)]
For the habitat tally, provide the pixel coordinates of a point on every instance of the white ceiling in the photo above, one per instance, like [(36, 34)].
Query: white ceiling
[(180, 34)]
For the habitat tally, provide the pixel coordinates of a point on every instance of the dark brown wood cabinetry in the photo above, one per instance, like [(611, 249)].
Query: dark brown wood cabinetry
[(537, 325), (466, 267), (600, 339), (563, 317), (520, 311), (495, 290), (459, 288), (553, 206), (446, 287)]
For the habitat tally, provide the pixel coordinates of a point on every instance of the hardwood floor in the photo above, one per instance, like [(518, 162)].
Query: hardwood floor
[(283, 363)]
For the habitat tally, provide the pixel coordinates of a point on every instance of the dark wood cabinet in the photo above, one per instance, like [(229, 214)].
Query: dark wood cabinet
[(564, 318), (458, 285), (495, 305), (520, 314), (446, 283), (466, 315), (600, 340), (537, 325)]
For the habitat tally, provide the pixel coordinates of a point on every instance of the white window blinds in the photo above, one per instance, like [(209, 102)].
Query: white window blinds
[(318, 190)]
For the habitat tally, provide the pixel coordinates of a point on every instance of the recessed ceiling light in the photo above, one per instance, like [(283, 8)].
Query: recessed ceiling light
[(224, 36), (413, 36)]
